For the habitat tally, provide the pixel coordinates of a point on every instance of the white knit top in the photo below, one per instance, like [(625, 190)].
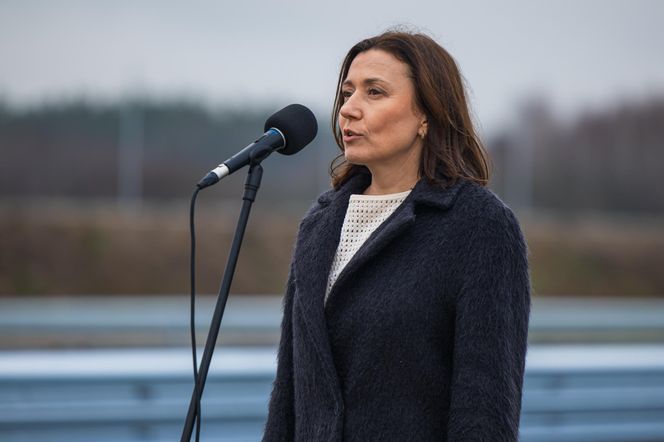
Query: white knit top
[(364, 214)]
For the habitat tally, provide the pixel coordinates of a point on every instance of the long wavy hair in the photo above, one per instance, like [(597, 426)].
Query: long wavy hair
[(452, 150)]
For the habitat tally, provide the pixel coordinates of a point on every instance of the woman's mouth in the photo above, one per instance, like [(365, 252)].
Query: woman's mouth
[(350, 136)]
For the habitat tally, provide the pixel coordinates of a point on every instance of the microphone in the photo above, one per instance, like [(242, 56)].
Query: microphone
[(286, 131)]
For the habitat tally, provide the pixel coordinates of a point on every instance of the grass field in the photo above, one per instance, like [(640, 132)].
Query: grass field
[(72, 248)]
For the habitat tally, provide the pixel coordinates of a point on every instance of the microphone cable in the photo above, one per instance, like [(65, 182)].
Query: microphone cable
[(192, 309)]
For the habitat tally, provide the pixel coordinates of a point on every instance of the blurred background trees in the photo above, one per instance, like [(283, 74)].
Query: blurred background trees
[(93, 197)]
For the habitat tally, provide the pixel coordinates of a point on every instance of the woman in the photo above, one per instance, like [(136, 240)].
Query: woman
[(407, 304)]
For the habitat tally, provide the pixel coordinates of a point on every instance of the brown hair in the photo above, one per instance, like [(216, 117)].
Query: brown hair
[(452, 150)]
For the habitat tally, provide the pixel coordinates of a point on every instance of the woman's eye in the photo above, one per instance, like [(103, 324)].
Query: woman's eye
[(346, 94), (374, 91)]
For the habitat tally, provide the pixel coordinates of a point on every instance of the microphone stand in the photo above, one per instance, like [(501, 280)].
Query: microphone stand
[(250, 189)]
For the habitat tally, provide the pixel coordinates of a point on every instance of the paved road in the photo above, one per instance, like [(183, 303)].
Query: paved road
[(148, 321)]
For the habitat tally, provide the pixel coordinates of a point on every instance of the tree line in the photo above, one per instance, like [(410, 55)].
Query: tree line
[(608, 160)]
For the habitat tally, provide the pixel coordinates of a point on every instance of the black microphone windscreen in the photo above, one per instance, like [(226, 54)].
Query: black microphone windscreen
[(297, 123)]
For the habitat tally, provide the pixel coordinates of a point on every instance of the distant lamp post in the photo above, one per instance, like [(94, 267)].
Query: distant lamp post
[(535, 121), (130, 157)]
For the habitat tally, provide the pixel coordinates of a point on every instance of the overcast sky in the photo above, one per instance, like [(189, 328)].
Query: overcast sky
[(576, 54)]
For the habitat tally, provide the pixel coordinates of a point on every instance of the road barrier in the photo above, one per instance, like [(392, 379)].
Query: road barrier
[(571, 393)]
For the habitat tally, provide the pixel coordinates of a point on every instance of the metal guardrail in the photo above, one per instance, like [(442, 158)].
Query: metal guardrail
[(130, 395), (594, 393), (572, 393)]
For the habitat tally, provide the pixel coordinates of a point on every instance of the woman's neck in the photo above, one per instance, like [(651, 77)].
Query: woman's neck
[(387, 183), (395, 175)]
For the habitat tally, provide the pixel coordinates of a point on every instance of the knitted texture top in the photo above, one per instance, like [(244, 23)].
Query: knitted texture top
[(365, 213)]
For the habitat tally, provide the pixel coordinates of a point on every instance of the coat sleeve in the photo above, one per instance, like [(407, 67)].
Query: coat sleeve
[(281, 417), (491, 328)]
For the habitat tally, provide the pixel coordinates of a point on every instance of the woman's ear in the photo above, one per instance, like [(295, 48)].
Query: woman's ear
[(422, 131)]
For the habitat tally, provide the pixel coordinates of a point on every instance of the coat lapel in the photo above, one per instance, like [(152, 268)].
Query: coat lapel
[(392, 227), (423, 194), (315, 249)]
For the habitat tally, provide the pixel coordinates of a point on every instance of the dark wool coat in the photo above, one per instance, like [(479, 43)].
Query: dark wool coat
[(423, 336)]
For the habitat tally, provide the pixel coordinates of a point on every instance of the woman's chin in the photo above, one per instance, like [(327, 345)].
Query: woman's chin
[(355, 158)]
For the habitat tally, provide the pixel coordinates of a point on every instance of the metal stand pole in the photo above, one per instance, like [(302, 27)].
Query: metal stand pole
[(250, 189)]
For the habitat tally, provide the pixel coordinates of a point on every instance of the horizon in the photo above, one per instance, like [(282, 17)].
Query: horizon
[(514, 51)]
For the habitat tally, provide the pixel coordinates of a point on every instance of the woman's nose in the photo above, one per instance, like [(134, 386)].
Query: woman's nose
[(350, 109)]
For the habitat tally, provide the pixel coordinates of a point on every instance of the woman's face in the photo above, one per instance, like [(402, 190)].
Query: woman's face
[(379, 119)]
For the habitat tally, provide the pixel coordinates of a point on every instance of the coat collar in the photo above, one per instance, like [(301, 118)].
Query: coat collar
[(317, 244), (424, 192)]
